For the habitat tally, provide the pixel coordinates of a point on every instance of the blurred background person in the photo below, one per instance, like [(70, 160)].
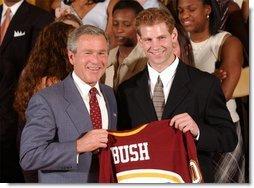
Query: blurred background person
[(213, 49), (70, 19), (235, 13), (127, 58), (94, 12)]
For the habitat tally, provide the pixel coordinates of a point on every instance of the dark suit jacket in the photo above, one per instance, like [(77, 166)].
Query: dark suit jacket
[(56, 118), (195, 92), (14, 52)]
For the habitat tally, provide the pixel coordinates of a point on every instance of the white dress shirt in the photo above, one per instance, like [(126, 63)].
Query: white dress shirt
[(84, 89), (167, 76), (13, 8)]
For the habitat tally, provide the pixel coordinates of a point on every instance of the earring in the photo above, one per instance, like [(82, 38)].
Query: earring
[(207, 16)]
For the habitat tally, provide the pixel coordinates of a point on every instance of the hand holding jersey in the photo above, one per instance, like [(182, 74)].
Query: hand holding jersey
[(184, 123), (92, 141)]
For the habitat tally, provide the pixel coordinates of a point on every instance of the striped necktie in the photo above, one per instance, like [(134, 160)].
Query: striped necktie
[(158, 98)]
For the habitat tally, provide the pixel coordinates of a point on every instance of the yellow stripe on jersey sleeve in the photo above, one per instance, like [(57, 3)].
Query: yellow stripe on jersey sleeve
[(127, 133)]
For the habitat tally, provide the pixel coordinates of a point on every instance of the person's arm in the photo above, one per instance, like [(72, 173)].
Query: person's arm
[(55, 4), (62, 10), (92, 141), (245, 10), (184, 123), (39, 148), (217, 131), (231, 57)]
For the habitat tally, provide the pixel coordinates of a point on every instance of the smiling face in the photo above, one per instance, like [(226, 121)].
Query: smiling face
[(157, 44), (193, 15), (124, 27), (90, 59)]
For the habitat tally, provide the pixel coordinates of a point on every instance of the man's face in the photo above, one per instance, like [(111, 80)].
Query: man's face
[(157, 44), (124, 27), (90, 60)]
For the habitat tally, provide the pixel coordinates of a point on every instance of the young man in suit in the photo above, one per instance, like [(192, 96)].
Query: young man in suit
[(65, 127), (19, 29), (192, 99)]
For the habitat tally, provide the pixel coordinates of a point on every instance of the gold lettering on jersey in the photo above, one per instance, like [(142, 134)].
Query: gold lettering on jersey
[(130, 153)]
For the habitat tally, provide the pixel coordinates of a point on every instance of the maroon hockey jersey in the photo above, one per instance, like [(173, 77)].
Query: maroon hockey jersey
[(152, 153)]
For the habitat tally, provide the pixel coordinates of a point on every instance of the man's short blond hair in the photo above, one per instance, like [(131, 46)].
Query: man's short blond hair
[(152, 16)]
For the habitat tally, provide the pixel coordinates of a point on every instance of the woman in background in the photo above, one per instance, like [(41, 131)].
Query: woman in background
[(94, 12), (213, 49)]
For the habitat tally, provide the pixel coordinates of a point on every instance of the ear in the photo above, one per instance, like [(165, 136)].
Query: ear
[(208, 9), (174, 35), (139, 39), (71, 57)]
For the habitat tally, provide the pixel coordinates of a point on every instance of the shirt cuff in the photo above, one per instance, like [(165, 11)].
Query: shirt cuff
[(197, 137), (77, 158)]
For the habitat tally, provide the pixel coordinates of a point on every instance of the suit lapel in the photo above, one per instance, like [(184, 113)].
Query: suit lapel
[(143, 98), (16, 22), (76, 109), (178, 91)]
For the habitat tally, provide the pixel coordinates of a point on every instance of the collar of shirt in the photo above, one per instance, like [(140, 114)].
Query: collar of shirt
[(83, 87), (167, 76), (13, 8)]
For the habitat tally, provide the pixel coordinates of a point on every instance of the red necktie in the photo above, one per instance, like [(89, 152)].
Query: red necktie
[(95, 112), (5, 24)]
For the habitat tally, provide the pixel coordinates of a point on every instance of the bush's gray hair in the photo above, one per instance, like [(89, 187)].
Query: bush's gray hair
[(83, 30)]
